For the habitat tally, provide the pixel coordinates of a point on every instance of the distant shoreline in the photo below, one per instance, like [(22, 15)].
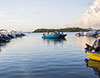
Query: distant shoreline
[(73, 29)]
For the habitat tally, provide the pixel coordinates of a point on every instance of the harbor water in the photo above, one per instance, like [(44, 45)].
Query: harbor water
[(34, 57)]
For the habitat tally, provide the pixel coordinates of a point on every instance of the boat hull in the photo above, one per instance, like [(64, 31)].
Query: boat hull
[(94, 55), (57, 36)]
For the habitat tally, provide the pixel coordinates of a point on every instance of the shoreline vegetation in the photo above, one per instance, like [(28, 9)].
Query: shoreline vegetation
[(73, 29)]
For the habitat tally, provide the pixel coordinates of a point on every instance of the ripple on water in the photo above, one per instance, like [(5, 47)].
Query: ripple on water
[(32, 57)]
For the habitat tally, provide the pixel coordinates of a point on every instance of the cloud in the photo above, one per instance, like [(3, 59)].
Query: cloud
[(12, 20), (91, 17)]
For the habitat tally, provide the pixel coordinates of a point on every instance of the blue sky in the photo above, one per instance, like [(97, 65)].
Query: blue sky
[(32, 14)]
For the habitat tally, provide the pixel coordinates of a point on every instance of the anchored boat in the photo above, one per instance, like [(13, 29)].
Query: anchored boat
[(6, 36), (94, 55), (54, 35)]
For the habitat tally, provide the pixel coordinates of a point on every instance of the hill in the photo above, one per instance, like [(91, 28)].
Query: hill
[(74, 29)]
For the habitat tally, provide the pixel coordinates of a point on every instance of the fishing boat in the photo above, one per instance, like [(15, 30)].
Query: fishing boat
[(94, 55), (55, 35)]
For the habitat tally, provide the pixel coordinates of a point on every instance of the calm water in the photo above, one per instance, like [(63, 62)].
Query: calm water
[(33, 57)]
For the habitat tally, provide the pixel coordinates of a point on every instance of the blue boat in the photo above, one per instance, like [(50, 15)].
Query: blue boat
[(54, 36)]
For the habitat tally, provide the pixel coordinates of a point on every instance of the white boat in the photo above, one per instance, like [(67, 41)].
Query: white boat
[(6, 36), (92, 33)]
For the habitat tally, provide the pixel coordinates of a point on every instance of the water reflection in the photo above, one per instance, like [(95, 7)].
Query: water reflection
[(54, 41), (2, 45), (61, 58), (95, 65)]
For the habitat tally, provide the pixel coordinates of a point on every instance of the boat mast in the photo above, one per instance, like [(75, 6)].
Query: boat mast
[(89, 22)]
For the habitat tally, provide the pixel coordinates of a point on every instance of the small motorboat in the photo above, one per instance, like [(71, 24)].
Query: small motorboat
[(54, 36), (94, 55), (6, 36), (79, 34)]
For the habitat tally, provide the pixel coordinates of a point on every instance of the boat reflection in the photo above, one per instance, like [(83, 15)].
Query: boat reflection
[(3, 45), (54, 41), (95, 65)]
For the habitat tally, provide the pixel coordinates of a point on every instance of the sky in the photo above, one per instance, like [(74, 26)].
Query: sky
[(27, 15), (91, 17)]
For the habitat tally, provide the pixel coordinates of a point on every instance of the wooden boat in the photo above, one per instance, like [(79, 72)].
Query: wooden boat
[(94, 55)]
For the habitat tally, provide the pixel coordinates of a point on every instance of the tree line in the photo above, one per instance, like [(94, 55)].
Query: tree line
[(74, 29)]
